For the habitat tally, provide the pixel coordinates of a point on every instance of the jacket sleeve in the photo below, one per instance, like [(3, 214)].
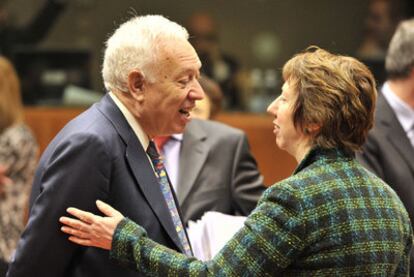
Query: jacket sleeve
[(75, 174), (247, 184), (270, 240)]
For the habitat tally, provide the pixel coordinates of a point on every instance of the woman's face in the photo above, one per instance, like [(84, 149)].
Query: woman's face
[(288, 138)]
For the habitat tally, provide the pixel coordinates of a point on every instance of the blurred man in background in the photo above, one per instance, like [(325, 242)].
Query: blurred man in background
[(389, 149)]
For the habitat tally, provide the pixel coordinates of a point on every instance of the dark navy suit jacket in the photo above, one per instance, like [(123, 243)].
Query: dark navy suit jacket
[(95, 156)]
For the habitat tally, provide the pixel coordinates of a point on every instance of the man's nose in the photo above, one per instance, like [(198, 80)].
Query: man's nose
[(197, 92)]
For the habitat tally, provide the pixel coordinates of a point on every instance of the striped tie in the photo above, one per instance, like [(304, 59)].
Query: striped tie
[(168, 196)]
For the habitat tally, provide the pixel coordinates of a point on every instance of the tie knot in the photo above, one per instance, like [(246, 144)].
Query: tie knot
[(160, 142), (152, 151)]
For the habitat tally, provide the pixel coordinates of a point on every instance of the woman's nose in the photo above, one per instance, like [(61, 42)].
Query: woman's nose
[(272, 108)]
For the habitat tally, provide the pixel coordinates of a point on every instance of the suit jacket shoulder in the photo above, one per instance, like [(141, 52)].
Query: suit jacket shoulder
[(217, 171), (389, 154)]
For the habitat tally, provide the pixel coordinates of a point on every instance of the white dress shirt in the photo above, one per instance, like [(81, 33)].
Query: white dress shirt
[(171, 154), (404, 113)]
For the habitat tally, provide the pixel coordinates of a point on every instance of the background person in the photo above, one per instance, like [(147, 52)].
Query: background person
[(380, 23), (18, 158), (217, 65), (212, 104), (389, 149), (332, 217), (12, 36), (150, 70), (4, 180)]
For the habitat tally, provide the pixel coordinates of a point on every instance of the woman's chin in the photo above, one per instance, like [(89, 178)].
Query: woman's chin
[(280, 144)]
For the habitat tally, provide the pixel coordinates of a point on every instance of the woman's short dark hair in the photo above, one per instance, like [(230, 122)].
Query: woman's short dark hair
[(337, 93)]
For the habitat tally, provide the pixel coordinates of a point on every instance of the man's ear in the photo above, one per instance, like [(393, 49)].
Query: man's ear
[(136, 84)]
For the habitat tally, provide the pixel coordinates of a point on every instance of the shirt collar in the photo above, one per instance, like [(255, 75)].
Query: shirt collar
[(139, 132), (404, 113), (178, 137)]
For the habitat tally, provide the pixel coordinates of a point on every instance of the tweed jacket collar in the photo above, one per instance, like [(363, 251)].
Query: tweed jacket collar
[(319, 153)]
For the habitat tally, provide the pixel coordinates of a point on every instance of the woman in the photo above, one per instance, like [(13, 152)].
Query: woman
[(331, 217), (18, 157)]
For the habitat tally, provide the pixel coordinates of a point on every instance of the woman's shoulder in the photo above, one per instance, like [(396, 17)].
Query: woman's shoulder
[(316, 180)]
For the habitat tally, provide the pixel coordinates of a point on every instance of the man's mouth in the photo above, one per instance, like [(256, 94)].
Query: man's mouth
[(185, 112)]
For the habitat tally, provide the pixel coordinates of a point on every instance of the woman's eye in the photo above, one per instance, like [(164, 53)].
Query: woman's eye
[(281, 99)]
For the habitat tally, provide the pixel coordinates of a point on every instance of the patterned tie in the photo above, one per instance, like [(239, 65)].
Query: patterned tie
[(160, 142), (168, 196)]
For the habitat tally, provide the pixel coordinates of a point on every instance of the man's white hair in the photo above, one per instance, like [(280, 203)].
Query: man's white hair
[(136, 44)]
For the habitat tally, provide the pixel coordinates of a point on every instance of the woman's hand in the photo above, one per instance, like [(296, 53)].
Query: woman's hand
[(92, 230)]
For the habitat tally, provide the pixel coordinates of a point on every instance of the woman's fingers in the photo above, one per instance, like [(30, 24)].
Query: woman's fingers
[(75, 227), (72, 222), (107, 209), (75, 232), (82, 215), (80, 241)]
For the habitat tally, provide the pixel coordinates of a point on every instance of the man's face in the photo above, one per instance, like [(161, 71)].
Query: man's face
[(169, 100), (379, 22)]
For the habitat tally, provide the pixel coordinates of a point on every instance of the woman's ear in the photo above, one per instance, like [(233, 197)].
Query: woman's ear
[(312, 129), (136, 84)]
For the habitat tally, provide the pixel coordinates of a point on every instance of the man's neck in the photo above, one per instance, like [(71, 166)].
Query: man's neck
[(404, 89)]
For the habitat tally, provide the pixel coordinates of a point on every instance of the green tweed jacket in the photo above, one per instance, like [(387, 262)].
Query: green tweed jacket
[(331, 218)]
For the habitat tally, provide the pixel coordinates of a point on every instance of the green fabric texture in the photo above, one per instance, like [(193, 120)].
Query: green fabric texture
[(330, 218)]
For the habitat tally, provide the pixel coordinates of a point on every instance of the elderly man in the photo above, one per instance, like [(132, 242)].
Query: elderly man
[(389, 150), (210, 165), (151, 72)]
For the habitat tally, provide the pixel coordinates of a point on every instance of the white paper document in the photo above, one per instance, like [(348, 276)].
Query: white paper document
[(210, 233)]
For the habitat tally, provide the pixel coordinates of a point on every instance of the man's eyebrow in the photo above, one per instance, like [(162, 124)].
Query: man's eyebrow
[(186, 71)]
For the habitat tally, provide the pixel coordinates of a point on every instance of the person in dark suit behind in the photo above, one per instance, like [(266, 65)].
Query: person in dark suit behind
[(389, 149), (151, 72), (217, 65), (210, 164), (217, 172), (332, 217), (11, 36)]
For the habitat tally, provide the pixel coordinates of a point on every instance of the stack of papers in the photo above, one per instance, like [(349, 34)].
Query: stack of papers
[(210, 233)]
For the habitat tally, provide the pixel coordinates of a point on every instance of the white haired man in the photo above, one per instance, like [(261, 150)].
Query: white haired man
[(151, 73)]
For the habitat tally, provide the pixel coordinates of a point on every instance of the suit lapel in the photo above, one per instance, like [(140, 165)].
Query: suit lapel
[(192, 157), (395, 133), (140, 167)]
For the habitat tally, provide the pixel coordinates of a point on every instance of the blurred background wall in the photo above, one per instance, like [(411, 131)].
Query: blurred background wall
[(285, 26), (260, 34)]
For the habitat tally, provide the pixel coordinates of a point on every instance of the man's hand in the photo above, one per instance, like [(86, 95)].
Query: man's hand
[(92, 230)]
